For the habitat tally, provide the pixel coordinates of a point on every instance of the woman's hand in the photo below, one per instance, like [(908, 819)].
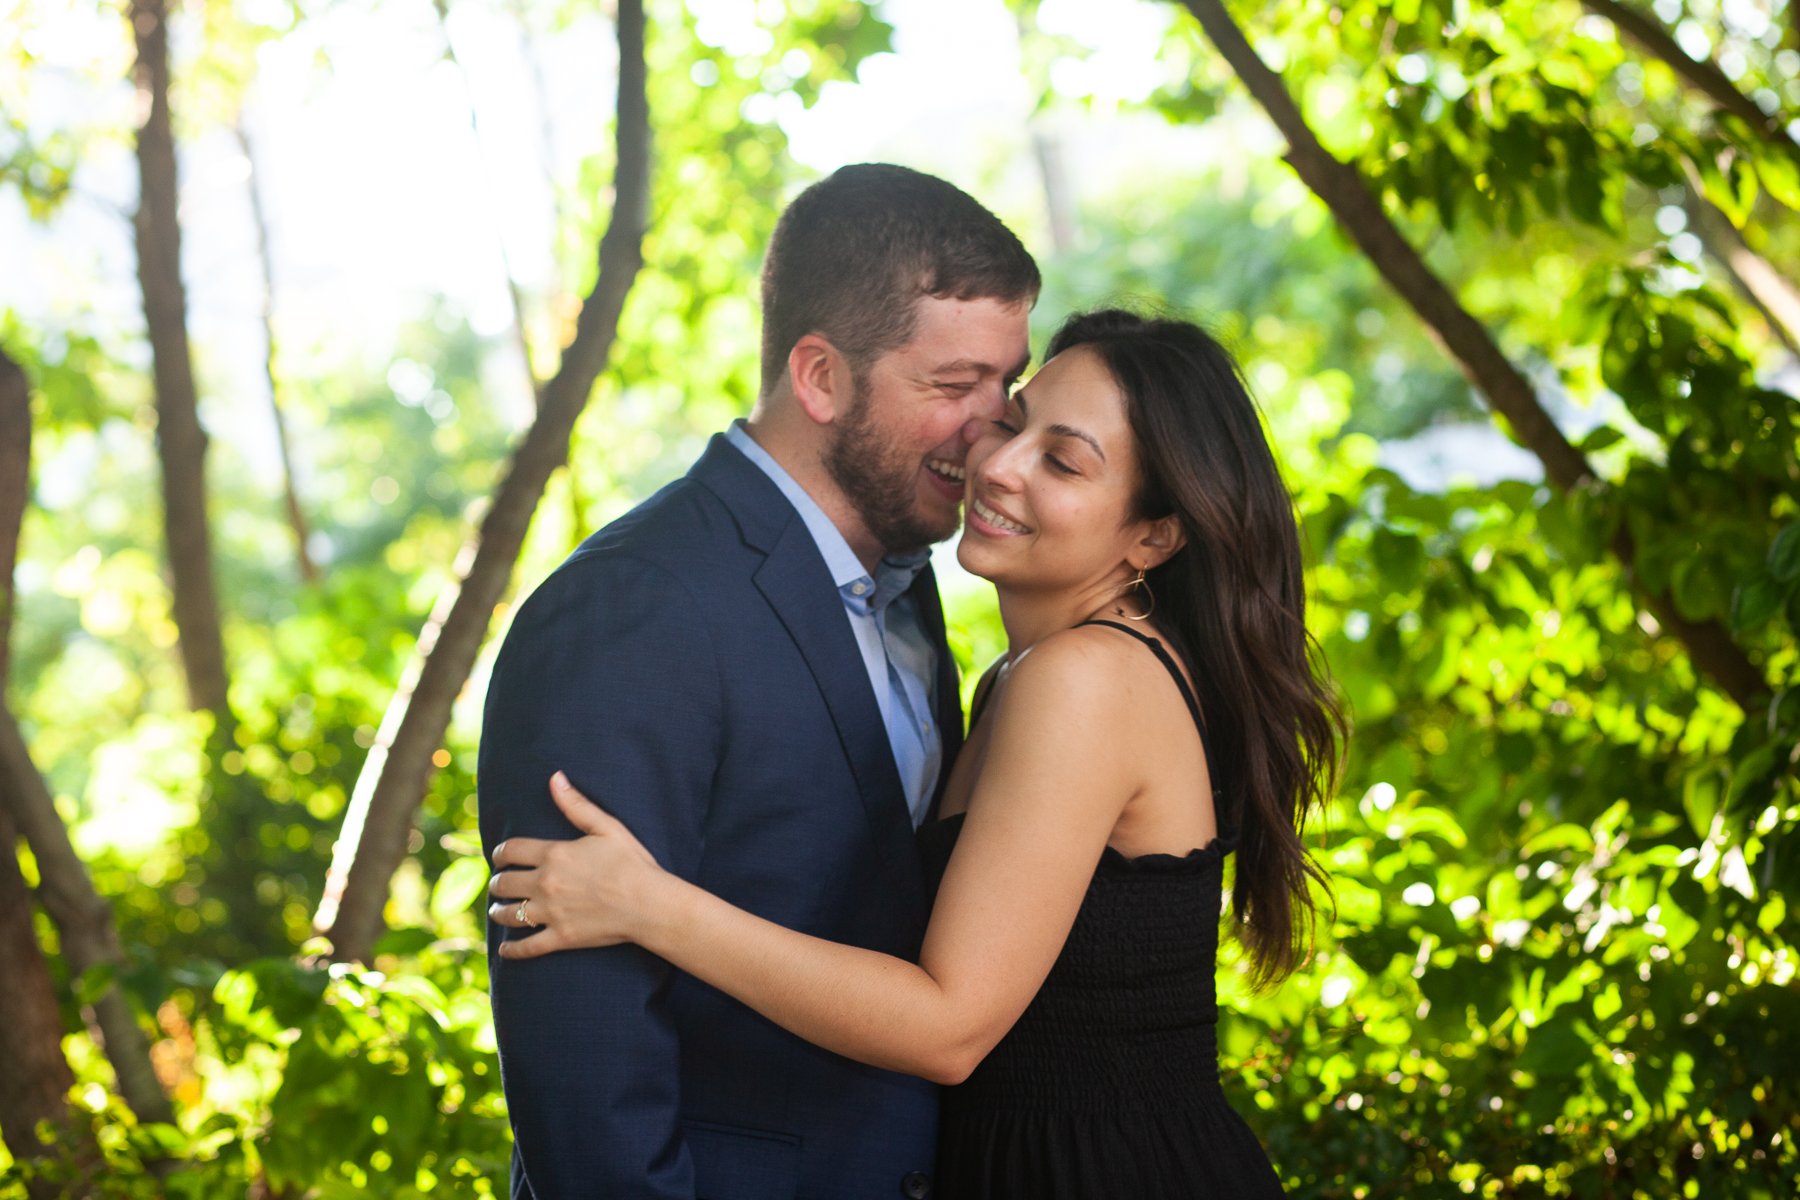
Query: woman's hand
[(593, 891)]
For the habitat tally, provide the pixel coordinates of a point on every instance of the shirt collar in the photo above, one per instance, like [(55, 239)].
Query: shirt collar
[(893, 575)]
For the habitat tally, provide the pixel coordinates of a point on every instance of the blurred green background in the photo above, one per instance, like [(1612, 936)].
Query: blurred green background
[(1559, 958)]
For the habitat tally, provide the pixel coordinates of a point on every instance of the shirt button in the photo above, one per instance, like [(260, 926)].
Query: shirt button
[(859, 588), (916, 1185)]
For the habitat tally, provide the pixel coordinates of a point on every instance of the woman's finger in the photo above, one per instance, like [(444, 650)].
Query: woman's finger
[(513, 885), (521, 852), (582, 812), (506, 912), (534, 946)]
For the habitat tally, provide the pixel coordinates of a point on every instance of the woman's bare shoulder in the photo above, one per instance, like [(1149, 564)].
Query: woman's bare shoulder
[(1086, 667)]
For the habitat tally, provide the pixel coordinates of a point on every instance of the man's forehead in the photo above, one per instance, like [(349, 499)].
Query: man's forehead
[(981, 335)]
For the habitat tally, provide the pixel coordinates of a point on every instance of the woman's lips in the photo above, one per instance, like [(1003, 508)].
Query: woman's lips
[(996, 521)]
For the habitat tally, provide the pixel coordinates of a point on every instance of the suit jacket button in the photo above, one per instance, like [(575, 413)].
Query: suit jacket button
[(916, 1185)]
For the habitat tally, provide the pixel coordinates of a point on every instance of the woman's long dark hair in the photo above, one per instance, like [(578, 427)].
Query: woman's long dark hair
[(1233, 600)]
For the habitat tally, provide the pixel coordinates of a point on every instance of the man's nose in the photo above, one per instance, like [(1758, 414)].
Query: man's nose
[(987, 403)]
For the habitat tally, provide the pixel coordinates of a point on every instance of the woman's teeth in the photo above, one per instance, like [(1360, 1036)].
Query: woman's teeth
[(996, 520)]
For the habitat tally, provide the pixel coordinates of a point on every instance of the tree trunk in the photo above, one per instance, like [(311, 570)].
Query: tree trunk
[(1703, 77), (1053, 172), (15, 491), (1046, 144), (296, 515), (1463, 337), (90, 942), (180, 440), (34, 1075), (373, 840)]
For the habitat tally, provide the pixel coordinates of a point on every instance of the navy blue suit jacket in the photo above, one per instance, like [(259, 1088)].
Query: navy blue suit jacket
[(691, 667)]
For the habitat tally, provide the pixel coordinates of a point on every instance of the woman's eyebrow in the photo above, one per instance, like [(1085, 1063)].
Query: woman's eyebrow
[(1071, 431), (1060, 430)]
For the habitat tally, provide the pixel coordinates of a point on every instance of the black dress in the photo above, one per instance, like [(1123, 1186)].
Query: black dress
[(1108, 1086)]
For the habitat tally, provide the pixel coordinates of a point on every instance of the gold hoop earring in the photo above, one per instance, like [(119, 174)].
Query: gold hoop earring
[(1140, 583)]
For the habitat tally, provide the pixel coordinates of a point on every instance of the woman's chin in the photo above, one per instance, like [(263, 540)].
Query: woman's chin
[(970, 557)]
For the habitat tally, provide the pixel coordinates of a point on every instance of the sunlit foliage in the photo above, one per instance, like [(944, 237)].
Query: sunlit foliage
[(1558, 958)]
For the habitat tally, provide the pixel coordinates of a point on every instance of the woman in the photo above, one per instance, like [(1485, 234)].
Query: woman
[(1156, 711)]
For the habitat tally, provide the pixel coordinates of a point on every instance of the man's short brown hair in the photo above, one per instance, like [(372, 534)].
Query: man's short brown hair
[(853, 254)]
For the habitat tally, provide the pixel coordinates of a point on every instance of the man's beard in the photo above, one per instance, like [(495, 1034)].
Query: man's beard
[(880, 483)]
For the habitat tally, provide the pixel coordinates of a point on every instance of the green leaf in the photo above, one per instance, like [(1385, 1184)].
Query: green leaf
[(94, 982), (1700, 798), (456, 889), (1398, 557), (1567, 836), (1754, 602), (1780, 174), (1784, 554), (1750, 770), (1697, 589), (1426, 819), (1601, 438)]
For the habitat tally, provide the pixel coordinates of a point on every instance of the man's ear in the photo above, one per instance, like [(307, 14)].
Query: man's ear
[(1162, 538), (820, 378)]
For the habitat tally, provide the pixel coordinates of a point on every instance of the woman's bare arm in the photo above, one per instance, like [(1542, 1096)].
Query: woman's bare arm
[(1057, 775)]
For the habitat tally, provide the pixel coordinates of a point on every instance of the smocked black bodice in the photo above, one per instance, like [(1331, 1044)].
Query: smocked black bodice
[(1108, 1085)]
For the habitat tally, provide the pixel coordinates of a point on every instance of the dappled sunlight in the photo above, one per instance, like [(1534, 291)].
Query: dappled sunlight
[(1550, 519)]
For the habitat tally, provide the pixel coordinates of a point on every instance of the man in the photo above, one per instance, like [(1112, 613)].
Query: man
[(750, 670)]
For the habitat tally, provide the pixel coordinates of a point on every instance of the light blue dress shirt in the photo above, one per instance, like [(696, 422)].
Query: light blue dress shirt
[(896, 651)]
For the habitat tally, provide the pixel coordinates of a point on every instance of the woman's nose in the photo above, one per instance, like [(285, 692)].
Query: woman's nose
[(998, 467)]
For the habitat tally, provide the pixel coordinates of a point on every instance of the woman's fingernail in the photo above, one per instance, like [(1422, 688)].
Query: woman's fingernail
[(559, 780)]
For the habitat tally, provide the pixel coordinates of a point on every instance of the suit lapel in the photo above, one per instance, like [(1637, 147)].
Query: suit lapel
[(797, 586), (794, 581)]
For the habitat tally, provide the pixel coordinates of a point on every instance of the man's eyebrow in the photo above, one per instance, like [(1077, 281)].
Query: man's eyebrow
[(982, 368), (1071, 431), (963, 364)]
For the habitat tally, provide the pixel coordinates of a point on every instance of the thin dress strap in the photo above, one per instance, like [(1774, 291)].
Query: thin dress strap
[(1168, 660)]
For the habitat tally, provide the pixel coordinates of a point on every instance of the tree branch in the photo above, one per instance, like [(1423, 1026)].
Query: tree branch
[(1463, 337), (1768, 290), (373, 840), (1704, 77), (296, 515), (180, 440)]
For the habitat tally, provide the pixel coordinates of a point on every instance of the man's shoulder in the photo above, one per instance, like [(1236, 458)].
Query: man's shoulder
[(684, 519), (696, 533)]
